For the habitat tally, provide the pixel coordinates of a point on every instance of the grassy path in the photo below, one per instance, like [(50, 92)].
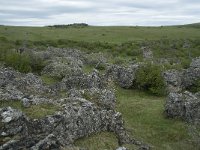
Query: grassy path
[(144, 118)]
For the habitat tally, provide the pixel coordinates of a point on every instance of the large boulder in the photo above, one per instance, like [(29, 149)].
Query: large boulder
[(183, 105), (124, 76), (173, 80)]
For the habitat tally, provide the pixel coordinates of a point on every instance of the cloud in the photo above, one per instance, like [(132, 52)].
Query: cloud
[(99, 12)]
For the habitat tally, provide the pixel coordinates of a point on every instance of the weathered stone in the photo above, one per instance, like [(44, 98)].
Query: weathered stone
[(63, 66), (181, 103), (8, 114), (26, 102), (124, 76), (173, 80), (184, 105)]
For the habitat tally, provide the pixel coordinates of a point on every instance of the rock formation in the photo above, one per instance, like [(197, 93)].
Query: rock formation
[(88, 105), (180, 102)]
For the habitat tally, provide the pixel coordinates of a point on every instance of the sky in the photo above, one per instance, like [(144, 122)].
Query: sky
[(99, 12)]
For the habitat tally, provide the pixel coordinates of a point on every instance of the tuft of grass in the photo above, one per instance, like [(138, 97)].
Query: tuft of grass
[(88, 68), (50, 80), (35, 111), (144, 118), (99, 141)]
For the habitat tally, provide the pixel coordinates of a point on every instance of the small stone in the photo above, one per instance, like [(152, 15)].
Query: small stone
[(26, 102), (121, 148)]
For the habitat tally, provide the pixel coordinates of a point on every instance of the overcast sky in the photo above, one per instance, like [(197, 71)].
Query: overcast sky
[(99, 12)]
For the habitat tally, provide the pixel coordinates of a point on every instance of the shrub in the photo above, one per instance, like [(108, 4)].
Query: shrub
[(149, 78), (20, 62), (195, 87)]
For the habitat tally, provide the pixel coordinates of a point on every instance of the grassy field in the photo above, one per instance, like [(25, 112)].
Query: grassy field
[(99, 34), (144, 119), (143, 113)]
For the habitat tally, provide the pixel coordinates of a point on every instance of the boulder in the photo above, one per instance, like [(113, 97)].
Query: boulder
[(183, 105), (124, 76)]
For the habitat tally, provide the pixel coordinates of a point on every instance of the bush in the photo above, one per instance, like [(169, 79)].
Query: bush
[(195, 87), (149, 78), (20, 62)]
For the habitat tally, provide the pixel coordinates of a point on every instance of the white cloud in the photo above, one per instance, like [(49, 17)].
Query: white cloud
[(99, 12)]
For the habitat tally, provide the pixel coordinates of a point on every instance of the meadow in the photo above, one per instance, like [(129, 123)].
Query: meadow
[(143, 113), (110, 34)]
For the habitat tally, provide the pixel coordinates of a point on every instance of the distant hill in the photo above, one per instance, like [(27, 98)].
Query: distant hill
[(193, 25), (70, 25)]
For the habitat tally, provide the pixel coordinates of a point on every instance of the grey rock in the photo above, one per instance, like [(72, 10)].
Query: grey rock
[(184, 105), (26, 102), (121, 148), (63, 66), (124, 76), (181, 103), (8, 114), (173, 80)]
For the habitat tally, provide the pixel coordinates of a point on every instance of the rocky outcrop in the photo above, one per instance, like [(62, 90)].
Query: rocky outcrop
[(185, 105), (181, 103), (63, 66), (84, 81), (87, 108), (123, 76), (77, 119)]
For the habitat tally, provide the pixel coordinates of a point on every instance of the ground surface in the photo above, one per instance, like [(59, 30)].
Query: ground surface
[(143, 114), (99, 34), (144, 118)]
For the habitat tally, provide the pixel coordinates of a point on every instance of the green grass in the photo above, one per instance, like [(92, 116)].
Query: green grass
[(88, 69), (103, 140), (34, 112), (144, 118), (111, 34), (49, 80)]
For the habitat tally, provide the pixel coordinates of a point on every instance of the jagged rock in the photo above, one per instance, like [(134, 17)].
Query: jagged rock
[(173, 79), (184, 105), (102, 97), (177, 81), (8, 114), (49, 142), (79, 115), (26, 102), (10, 93), (84, 81), (79, 118), (96, 59), (192, 74), (124, 76), (63, 66), (181, 103)]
